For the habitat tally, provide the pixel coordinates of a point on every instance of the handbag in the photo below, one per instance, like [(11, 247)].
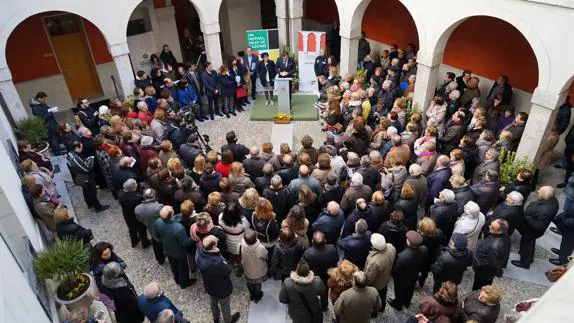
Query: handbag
[(555, 273), (241, 92)]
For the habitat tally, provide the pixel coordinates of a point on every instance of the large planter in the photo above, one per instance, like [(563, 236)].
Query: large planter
[(281, 121), (83, 300), (45, 151)]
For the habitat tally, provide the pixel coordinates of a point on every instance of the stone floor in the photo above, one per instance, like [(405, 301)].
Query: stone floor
[(142, 268)]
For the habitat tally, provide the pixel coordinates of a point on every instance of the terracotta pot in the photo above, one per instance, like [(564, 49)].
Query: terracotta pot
[(281, 121)]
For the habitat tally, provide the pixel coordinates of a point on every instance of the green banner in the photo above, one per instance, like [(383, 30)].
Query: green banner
[(258, 39)]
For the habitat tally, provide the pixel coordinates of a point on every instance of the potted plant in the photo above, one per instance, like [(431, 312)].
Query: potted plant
[(35, 131), (66, 264), (282, 118), (509, 167)]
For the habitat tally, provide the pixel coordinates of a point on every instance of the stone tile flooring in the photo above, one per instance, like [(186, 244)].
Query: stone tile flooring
[(142, 268)]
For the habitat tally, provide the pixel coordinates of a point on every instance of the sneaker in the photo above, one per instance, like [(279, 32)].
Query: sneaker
[(272, 103), (102, 208), (267, 103), (235, 317)]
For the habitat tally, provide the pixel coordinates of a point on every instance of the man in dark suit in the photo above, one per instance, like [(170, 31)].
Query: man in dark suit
[(251, 61), (321, 67), (286, 68), (194, 79)]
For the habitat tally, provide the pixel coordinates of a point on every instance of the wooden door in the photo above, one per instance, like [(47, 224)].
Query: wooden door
[(74, 56)]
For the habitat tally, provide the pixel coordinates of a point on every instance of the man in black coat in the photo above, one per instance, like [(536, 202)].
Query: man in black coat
[(565, 224), (330, 222), (286, 68), (537, 218), (176, 132), (452, 262), (190, 150), (41, 110), (371, 175), (129, 197), (406, 270), (320, 257), (356, 247), (320, 67), (486, 191), (121, 172), (522, 184), (438, 179), (510, 210), (491, 255), (503, 87), (254, 164), (88, 116), (444, 212), (288, 171), (239, 151), (264, 181)]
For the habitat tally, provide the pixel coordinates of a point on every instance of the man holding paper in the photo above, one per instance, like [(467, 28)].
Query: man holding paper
[(41, 110), (286, 68), (251, 61)]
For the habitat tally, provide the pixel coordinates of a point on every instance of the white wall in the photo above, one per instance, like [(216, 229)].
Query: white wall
[(237, 17), (168, 31), (141, 47)]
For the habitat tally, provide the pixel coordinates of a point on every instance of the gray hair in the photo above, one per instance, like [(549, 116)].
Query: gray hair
[(391, 131), (130, 185), (361, 227), (268, 169), (165, 316), (366, 161), (456, 93), (491, 175), (443, 161), (516, 198), (547, 192), (360, 279), (152, 290), (276, 181), (149, 194), (254, 151), (141, 104)]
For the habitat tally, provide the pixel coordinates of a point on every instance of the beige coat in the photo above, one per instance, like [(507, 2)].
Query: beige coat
[(549, 144), (254, 260), (457, 167), (45, 210), (356, 305), (379, 266), (435, 114), (402, 152)]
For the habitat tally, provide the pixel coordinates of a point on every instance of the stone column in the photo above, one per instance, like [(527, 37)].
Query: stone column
[(11, 96), (282, 22), (295, 26), (125, 82), (427, 74), (212, 43), (540, 119), (349, 54)]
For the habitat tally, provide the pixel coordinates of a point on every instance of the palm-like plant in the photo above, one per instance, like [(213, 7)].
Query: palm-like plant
[(64, 263), (34, 130)]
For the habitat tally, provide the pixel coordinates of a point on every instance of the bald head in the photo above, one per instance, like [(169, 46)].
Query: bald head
[(152, 290), (166, 213), (546, 192), (318, 239), (287, 159), (254, 151), (304, 170), (333, 208), (125, 162)]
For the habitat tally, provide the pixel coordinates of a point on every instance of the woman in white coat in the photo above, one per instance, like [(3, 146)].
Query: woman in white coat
[(234, 225), (470, 224)]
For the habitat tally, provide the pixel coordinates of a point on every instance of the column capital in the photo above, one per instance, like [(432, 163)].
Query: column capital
[(210, 28), (547, 100), (119, 49), (5, 74), (429, 59)]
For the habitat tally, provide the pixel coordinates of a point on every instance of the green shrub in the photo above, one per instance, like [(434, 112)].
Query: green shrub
[(63, 262), (509, 166), (34, 130)]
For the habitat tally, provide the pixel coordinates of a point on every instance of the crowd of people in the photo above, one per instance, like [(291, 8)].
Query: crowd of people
[(391, 194)]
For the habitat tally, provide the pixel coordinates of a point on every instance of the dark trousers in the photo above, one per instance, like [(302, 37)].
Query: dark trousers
[(253, 85), (527, 245), (567, 243), (158, 251), (404, 292), (180, 270), (212, 105), (383, 296), (254, 291), (482, 276), (137, 231), (91, 194)]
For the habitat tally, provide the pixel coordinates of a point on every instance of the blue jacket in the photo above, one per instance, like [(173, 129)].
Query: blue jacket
[(209, 83), (151, 103), (356, 215), (215, 273), (254, 63), (226, 84), (173, 237), (152, 307), (437, 181), (40, 110), (187, 96), (330, 225), (356, 248)]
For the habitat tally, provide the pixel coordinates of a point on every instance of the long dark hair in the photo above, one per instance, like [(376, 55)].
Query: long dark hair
[(97, 251), (231, 215)]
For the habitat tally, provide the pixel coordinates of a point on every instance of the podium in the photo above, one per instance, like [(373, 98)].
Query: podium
[(283, 89)]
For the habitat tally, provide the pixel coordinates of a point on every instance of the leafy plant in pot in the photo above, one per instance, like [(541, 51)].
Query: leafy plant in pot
[(66, 263), (35, 131)]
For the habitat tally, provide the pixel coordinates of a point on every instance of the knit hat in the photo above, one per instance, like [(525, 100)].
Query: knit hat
[(448, 195), (414, 238), (146, 141), (378, 242), (459, 240), (103, 109), (472, 209), (356, 179)]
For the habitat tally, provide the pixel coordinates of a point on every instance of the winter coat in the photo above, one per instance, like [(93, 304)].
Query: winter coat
[(333, 193), (457, 167), (253, 259), (520, 187), (492, 253), (121, 175), (264, 70), (234, 234), (166, 192), (379, 265), (434, 245), (129, 201), (434, 310), (254, 166), (330, 225), (427, 164), (176, 135), (40, 110), (146, 154), (152, 307), (240, 184), (537, 217), (300, 295), (420, 184), (186, 96), (321, 259), (209, 183), (281, 199), (470, 227), (71, 230), (486, 194), (435, 114), (445, 215), (513, 214), (215, 211), (43, 177), (311, 182), (45, 211), (409, 208), (478, 311), (198, 200), (226, 85), (351, 196), (321, 175), (285, 259), (215, 272), (239, 151), (381, 213), (408, 265), (452, 137), (173, 237), (125, 299), (356, 248), (451, 265), (356, 215), (262, 183), (147, 213), (471, 159), (209, 81), (358, 305), (188, 152), (395, 234), (267, 230), (396, 176), (402, 153), (437, 181), (288, 174), (463, 195), (482, 168)]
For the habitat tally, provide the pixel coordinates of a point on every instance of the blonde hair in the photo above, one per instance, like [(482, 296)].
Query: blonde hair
[(186, 208), (29, 181), (456, 181), (263, 209), (199, 163), (249, 199), (28, 165), (203, 220), (408, 192), (61, 214), (378, 197), (214, 198), (236, 169), (173, 164), (343, 274), (426, 227), (493, 293)]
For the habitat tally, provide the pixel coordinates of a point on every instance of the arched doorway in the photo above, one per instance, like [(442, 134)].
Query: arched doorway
[(322, 15), (69, 59), (490, 47)]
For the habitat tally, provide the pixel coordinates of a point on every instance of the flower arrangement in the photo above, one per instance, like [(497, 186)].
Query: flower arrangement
[(283, 116), (509, 167)]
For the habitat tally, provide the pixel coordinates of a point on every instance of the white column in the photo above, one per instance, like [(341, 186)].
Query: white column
[(427, 74), (540, 119), (295, 26), (282, 19), (125, 82), (167, 30), (212, 43), (11, 96), (349, 54)]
